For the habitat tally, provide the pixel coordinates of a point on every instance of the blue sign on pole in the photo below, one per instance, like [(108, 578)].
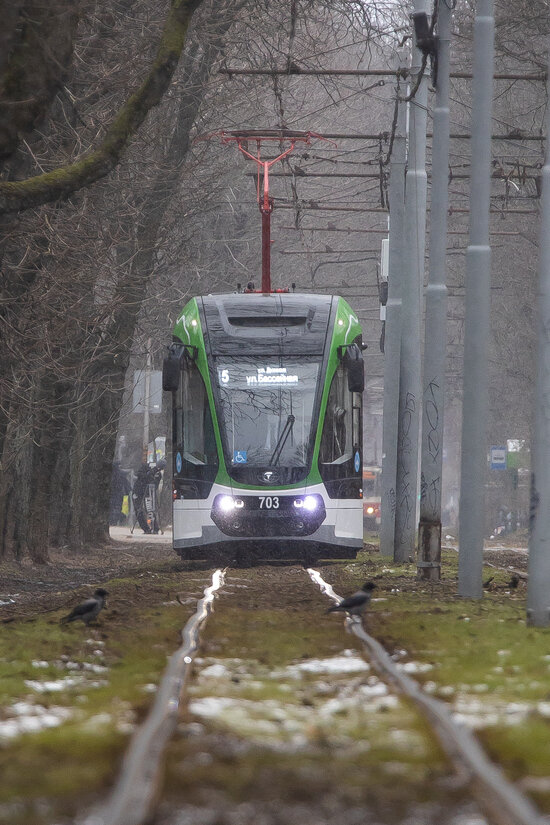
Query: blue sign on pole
[(498, 458)]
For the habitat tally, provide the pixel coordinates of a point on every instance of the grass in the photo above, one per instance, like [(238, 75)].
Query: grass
[(481, 654)]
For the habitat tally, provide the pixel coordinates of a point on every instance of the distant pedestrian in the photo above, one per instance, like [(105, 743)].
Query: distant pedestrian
[(356, 604), (88, 610), (148, 474), (120, 487)]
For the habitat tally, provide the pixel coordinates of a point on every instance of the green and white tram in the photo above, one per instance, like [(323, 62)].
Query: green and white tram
[(267, 426)]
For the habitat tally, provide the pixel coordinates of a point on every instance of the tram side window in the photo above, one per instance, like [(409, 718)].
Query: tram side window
[(340, 422), (341, 439), (194, 430)]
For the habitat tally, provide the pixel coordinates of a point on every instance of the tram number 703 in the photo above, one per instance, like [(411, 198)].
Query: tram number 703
[(269, 502)]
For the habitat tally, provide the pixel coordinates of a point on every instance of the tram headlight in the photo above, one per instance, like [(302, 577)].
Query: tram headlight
[(309, 503), (370, 511), (226, 504)]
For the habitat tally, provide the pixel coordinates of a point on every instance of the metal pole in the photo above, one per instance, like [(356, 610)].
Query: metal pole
[(410, 387), (146, 400), (435, 341), (538, 589), (392, 340), (266, 208), (476, 329)]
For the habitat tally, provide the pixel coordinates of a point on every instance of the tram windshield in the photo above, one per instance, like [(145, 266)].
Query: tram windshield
[(267, 410)]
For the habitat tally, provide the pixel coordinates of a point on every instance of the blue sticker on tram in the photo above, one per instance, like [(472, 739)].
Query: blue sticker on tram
[(179, 462), (240, 456), (357, 462)]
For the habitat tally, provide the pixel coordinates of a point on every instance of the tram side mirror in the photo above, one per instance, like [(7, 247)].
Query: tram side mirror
[(353, 360), (170, 373), (171, 367)]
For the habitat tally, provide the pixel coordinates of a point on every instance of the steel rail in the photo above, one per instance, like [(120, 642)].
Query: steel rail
[(132, 799), (499, 798)]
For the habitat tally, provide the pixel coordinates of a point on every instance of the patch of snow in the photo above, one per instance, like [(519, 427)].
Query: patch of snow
[(544, 709), (53, 685), (25, 717), (474, 722), (373, 690), (93, 668), (125, 727), (336, 664), (217, 671), (98, 720), (414, 667), (210, 706)]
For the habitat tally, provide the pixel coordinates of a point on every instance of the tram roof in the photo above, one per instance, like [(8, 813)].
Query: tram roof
[(278, 323)]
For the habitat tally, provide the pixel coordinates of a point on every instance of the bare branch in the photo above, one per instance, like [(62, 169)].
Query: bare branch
[(60, 183)]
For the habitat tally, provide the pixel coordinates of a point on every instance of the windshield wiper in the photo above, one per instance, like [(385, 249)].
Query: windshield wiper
[(281, 441)]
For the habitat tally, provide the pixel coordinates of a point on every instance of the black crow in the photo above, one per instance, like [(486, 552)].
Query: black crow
[(88, 610), (354, 605)]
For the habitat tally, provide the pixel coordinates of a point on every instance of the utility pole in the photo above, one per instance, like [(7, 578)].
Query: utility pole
[(410, 388), (147, 400), (477, 315), (392, 338), (435, 341), (538, 589)]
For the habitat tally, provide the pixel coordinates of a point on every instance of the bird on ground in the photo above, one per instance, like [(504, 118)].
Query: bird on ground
[(354, 605), (88, 610)]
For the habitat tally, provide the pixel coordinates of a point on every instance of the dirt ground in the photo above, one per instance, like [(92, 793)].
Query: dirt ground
[(148, 565), (26, 588)]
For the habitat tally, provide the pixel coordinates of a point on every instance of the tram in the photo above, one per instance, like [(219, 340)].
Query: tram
[(267, 426)]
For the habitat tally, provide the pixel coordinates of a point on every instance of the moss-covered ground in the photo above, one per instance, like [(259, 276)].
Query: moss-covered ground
[(265, 727), (102, 676)]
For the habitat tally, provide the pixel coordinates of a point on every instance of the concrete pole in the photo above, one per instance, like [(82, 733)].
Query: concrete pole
[(538, 589), (477, 315), (410, 387), (435, 341), (146, 400), (392, 342)]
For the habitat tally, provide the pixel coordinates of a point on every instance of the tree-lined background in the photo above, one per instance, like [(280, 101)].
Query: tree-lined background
[(112, 214)]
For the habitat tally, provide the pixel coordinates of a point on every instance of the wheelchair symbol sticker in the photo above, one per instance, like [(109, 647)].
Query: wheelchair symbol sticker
[(239, 456), (179, 462)]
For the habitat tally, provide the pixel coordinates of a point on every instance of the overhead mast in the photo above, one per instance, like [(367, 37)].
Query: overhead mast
[(265, 201)]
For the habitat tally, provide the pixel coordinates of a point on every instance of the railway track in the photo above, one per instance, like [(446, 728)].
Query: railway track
[(346, 712)]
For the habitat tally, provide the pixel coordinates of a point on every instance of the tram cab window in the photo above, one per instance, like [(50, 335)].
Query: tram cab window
[(267, 410), (194, 437), (341, 438)]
